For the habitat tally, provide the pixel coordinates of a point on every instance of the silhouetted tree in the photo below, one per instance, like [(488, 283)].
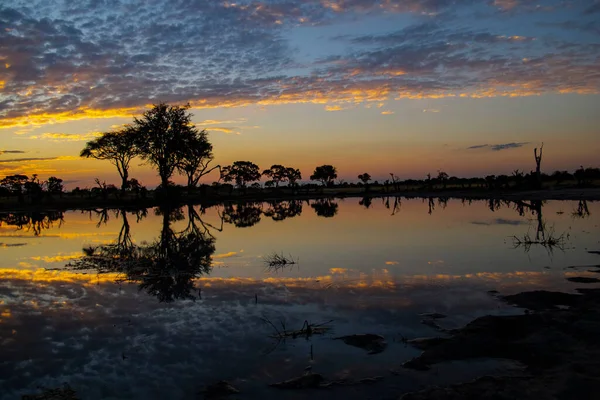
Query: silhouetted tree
[(442, 178), (33, 189), (196, 157), (365, 178), (277, 173), (325, 207), (55, 186), (324, 173), (163, 135), (15, 184), (538, 163), (293, 175), (241, 172), (117, 147)]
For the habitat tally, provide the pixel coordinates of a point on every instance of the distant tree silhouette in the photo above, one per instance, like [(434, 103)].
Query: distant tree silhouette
[(15, 184), (538, 163), (325, 174), (442, 178), (365, 178), (293, 175), (55, 186), (195, 158), (277, 173), (34, 189), (164, 135), (117, 147), (241, 172)]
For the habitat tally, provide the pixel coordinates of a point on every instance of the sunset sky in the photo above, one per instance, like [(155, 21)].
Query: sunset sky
[(378, 86)]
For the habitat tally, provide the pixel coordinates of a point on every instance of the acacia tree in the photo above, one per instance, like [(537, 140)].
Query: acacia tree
[(162, 136), (365, 178), (242, 172), (55, 186), (293, 175), (15, 184), (196, 157), (118, 147), (324, 173), (277, 173)]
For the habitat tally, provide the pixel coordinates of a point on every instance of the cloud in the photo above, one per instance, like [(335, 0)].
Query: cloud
[(225, 130), (73, 60), (498, 147), (218, 122), (18, 160), (431, 110), (11, 152), (66, 137), (387, 112), (228, 254)]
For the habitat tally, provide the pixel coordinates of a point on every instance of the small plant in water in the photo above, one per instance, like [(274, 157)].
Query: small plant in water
[(546, 238), (276, 262)]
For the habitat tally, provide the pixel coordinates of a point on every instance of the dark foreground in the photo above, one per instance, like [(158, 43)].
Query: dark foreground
[(556, 341)]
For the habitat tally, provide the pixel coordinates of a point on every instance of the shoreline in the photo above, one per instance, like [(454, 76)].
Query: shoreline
[(68, 202)]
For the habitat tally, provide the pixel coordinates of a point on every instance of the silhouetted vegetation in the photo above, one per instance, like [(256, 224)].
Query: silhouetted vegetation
[(241, 172), (118, 147), (325, 174), (166, 138)]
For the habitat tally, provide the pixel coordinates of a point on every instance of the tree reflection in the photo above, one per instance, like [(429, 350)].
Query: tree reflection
[(242, 215), (325, 207), (34, 222), (365, 202), (582, 210), (279, 210), (165, 268)]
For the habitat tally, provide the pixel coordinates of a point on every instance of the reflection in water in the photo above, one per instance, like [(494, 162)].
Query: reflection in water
[(582, 210), (164, 268), (280, 210), (242, 215), (365, 202), (34, 222), (325, 207)]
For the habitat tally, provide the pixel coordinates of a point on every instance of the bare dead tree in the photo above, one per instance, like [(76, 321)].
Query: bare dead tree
[(538, 162)]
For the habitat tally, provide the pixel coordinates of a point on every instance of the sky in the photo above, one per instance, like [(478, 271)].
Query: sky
[(407, 87)]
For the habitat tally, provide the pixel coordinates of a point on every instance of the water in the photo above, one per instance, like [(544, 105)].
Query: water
[(188, 302)]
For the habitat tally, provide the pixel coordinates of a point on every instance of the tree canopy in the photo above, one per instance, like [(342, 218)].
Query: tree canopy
[(241, 172), (324, 173), (164, 136), (118, 147)]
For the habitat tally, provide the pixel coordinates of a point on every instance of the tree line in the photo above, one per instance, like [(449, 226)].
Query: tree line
[(165, 138)]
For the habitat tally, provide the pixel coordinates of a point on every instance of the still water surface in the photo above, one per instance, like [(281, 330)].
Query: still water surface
[(185, 303)]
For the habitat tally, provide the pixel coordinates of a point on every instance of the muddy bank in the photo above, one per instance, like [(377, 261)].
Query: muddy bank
[(557, 341)]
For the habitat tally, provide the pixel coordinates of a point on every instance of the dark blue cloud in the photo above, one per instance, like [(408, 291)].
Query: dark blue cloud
[(71, 56)]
